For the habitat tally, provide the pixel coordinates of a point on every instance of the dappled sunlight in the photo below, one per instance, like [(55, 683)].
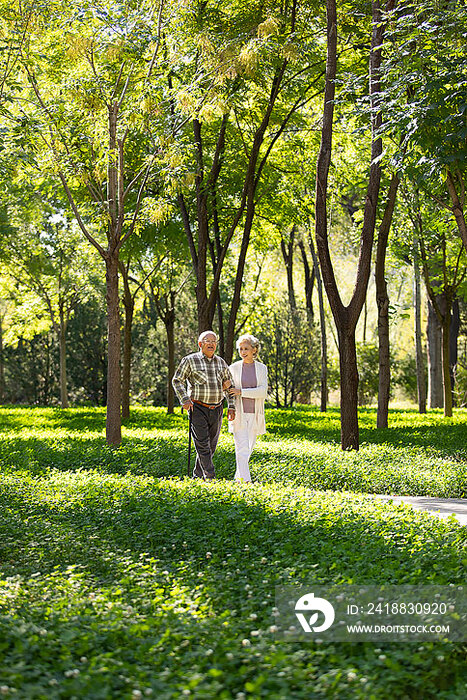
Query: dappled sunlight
[(75, 518), (418, 457), (107, 566)]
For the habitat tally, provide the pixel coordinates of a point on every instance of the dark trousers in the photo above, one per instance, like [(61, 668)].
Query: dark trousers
[(205, 428)]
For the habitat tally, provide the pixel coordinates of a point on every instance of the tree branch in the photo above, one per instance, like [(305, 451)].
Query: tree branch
[(81, 224)]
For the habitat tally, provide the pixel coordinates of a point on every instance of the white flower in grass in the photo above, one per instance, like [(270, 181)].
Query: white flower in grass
[(208, 555), (229, 656), (4, 689), (253, 616), (136, 694), (246, 643), (351, 676), (264, 560), (274, 628), (255, 633), (209, 652)]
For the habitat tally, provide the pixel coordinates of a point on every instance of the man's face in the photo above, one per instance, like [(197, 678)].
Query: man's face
[(208, 345)]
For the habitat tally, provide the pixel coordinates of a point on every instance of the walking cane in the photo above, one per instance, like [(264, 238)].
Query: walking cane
[(190, 413)]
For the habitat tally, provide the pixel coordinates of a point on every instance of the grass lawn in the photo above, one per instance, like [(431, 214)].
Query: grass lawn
[(122, 579)]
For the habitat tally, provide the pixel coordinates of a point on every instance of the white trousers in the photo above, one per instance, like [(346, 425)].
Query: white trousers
[(244, 439)]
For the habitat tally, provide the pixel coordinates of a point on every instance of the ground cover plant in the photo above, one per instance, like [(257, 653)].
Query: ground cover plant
[(121, 578), (424, 455)]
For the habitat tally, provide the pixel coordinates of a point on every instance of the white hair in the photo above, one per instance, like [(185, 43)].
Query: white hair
[(204, 334), (248, 338)]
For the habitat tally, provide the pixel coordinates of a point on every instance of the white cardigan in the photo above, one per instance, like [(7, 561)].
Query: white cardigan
[(259, 393)]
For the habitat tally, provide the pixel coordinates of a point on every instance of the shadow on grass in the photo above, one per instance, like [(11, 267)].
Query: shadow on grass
[(329, 539), (301, 423), (430, 431), (170, 551), (151, 456), (450, 439)]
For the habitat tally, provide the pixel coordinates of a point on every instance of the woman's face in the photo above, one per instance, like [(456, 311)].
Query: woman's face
[(247, 353)]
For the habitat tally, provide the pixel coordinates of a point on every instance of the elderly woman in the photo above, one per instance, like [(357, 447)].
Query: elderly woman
[(251, 388)]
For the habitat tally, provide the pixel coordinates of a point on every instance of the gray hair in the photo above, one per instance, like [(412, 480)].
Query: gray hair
[(248, 338), (204, 334)]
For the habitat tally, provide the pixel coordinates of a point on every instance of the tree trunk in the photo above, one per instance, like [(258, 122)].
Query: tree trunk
[(113, 418), (457, 206), (309, 282), (63, 373), (129, 306), (170, 330), (235, 305), (420, 365), (346, 317), (205, 183), (2, 365), (287, 255), (453, 338), (322, 326), (382, 302), (446, 368), (47, 373), (164, 305), (220, 326), (349, 389), (435, 359)]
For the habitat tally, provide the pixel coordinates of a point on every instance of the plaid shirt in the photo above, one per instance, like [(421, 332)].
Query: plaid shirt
[(200, 378)]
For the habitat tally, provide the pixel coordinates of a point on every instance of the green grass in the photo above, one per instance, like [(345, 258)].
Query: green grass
[(121, 580), (418, 455)]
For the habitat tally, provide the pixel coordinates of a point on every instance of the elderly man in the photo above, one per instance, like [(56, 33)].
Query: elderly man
[(198, 382)]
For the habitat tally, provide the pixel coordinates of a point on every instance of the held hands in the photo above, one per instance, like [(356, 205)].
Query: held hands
[(188, 405), (227, 386), (231, 390)]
